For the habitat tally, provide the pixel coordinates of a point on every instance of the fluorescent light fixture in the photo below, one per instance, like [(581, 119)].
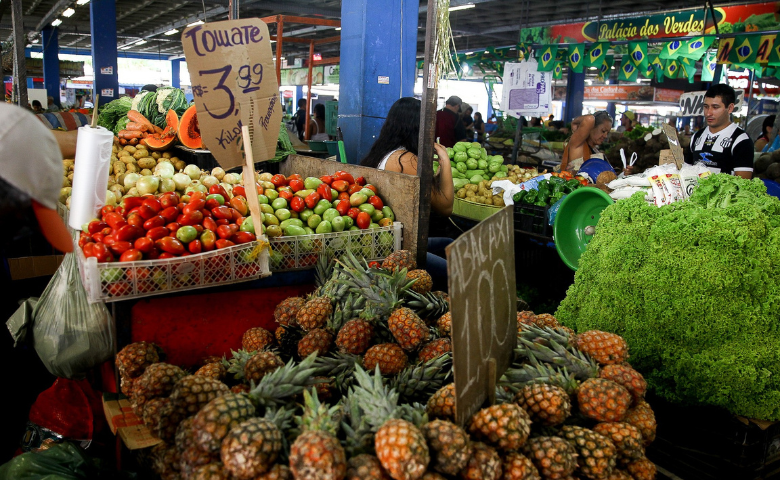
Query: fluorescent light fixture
[(56, 23), (68, 12), (140, 42), (199, 22), (34, 40), (593, 68), (338, 28), (462, 7), (125, 47), (611, 68), (82, 2), (171, 32), (469, 53)]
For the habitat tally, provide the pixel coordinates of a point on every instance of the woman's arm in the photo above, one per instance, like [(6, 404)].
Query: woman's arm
[(584, 125), (443, 197), (481, 127)]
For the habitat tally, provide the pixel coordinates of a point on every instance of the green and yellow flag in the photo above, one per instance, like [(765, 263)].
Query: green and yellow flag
[(606, 67), (671, 68), (708, 65), (745, 49), (637, 51), (688, 68), (577, 57), (695, 47), (671, 50), (774, 54), (649, 72), (558, 70), (628, 71), (658, 68), (547, 58), (596, 55)]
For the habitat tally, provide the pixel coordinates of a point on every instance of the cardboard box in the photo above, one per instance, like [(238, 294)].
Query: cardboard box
[(29, 267), (124, 422)]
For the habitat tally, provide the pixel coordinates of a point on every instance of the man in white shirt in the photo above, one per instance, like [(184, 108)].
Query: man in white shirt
[(722, 146)]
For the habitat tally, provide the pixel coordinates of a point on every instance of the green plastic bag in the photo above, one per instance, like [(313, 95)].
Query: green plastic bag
[(63, 461)]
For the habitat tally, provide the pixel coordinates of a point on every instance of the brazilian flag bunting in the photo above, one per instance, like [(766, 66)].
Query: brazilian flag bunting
[(547, 58), (596, 55), (637, 52), (577, 57), (606, 67), (709, 64), (671, 68), (745, 49), (695, 47), (558, 70), (688, 69), (671, 50), (628, 71), (658, 68), (649, 72), (774, 56)]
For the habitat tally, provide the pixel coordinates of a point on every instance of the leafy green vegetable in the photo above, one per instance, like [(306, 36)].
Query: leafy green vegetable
[(694, 288), (638, 132), (113, 112)]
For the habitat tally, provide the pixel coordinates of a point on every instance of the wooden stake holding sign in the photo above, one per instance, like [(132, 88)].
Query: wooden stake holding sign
[(481, 271)]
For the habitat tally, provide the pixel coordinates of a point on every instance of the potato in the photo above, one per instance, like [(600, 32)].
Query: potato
[(145, 172), (70, 176), (129, 148), (179, 165), (119, 168), (166, 155), (175, 159), (140, 153), (132, 168), (461, 193), (163, 159), (111, 181), (147, 162), (156, 155), (498, 201), (114, 149), (120, 179), (65, 182), (68, 164), (470, 194)]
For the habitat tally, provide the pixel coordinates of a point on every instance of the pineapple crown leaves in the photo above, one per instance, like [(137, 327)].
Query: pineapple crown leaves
[(236, 363), (277, 387), (359, 437), (414, 413), (545, 335), (338, 366), (577, 362), (426, 305), (517, 376), (323, 270), (283, 417), (317, 416), (422, 380), (504, 395), (376, 402)]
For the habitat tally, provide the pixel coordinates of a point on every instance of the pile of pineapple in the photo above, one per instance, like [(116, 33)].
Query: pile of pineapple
[(356, 384)]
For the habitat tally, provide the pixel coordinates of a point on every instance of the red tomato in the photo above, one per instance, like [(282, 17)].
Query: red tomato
[(237, 190), (360, 181), (342, 207), (325, 191), (296, 185), (287, 195), (373, 264), (354, 188), (239, 221), (169, 214), (242, 237), (172, 227), (95, 226), (109, 240), (210, 224), (146, 212), (118, 248), (363, 220), (227, 231), (192, 218), (199, 228), (156, 221), (344, 196), (153, 255), (339, 185), (222, 212), (326, 179), (105, 210), (98, 237), (371, 187), (118, 289), (353, 213), (130, 203), (83, 241), (102, 254), (120, 210), (279, 180), (135, 220), (208, 240), (144, 244), (312, 199), (195, 246), (140, 273), (165, 255), (131, 255), (212, 203), (89, 249), (170, 245), (158, 233), (114, 220), (218, 189), (169, 199), (154, 204), (106, 231), (240, 204), (128, 233), (294, 176), (222, 221), (222, 243), (297, 204), (376, 202), (342, 175)]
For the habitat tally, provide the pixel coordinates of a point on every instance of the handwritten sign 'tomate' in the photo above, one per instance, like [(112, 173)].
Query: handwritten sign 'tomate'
[(481, 270), (234, 84)]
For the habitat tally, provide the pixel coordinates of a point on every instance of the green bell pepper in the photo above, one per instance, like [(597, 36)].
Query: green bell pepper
[(573, 184), (519, 196), (557, 180), (531, 196)]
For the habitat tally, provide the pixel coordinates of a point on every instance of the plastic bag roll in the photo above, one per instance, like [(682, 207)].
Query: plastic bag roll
[(90, 174)]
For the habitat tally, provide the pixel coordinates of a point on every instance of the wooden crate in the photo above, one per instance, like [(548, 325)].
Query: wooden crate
[(472, 210)]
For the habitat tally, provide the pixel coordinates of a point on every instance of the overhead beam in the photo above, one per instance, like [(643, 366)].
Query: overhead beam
[(285, 8), (52, 13), (454, 3)]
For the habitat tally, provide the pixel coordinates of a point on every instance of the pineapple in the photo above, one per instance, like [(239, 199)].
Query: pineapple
[(240, 388), (251, 448), (339, 367), (165, 460), (552, 346), (256, 339), (626, 438), (212, 471), (152, 411), (449, 445), (288, 336), (444, 296), (382, 291), (355, 337), (213, 422), (408, 329), (442, 403), (235, 366), (516, 466), (317, 340), (314, 313), (597, 454), (215, 370), (503, 426), (524, 319), (365, 467), (279, 387), (429, 306), (432, 476), (618, 475), (389, 356), (624, 375), (185, 435), (642, 469), (554, 457), (402, 450), (435, 349), (400, 260), (277, 472), (127, 385), (643, 418), (484, 464), (420, 381), (286, 312), (317, 454), (444, 323), (423, 283), (133, 359), (261, 364), (157, 381), (545, 320), (606, 348), (519, 375), (547, 404), (603, 400), (193, 392), (192, 458)]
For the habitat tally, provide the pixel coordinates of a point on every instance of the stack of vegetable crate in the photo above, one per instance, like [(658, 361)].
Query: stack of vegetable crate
[(532, 206)]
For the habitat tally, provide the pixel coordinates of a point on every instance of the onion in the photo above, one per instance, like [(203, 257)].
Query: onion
[(195, 188), (110, 198), (147, 185), (167, 185), (266, 177), (209, 180), (133, 192), (231, 178), (130, 179), (218, 172), (164, 170), (65, 193), (228, 188), (181, 180), (193, 171)]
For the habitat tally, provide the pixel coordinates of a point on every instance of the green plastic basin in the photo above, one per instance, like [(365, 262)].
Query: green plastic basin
[(579, 210)]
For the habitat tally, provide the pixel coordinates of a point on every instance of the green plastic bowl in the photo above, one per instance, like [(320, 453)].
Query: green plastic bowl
[(317, 146), (579, 210)]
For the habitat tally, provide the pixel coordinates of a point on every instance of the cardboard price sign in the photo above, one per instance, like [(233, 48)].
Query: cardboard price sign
[(234, 84), (674, 145), (481, 270)]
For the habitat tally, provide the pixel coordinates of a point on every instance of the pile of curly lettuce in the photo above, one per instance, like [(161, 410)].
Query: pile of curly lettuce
[(694, 288)]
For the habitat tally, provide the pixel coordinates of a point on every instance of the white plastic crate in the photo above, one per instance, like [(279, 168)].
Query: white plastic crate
[(301, 252), (110, 282)]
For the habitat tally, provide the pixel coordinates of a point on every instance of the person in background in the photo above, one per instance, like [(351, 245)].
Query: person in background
[(766, 130), (536, 122), (449, 130), (468, 120), (300, 118), (317, 124), (722, 146), (479, 127), (492, 119), (687, 130), (79, 102), (51, 106), (588, 132), (395, 150), (549, 120), (149, 88), (37, 107), (627, 119)]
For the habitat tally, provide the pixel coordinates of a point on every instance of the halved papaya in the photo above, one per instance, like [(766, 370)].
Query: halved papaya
[(189, 133), (165, 139)]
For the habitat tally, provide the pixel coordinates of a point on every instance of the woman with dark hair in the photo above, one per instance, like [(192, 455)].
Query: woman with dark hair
[(395, 150), (479, 127), (766, 129), (588, 132), (317, 124)]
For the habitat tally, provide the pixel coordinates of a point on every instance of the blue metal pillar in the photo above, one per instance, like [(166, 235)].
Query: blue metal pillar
[(298, 95), (575, 93), (376, 69), (51, 63), (611, 109), (176, 73), (30, 83), (104, 54)]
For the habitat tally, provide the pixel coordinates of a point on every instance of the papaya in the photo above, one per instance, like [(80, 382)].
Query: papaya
[(189, 133), (166, 138)]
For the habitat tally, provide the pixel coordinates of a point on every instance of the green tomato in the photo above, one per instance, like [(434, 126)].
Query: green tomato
[(386, 239), (353, 228), (303, 193), (367, 192), (333, 195), (311, 183), (387, 212), (322, 205), (110, 275), (304, 215), (308, 230), (219, 198), (373, 225), (186, 234), (330, 214), (283, 213), (270, 220), (376, 216), (262, 199), (348, 222), (368, 208), (314, 221), (338, 224), (266, 209), (279, 203), (247, 225), (293, 231), (324, 227), (291, 221), (271, 194)]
